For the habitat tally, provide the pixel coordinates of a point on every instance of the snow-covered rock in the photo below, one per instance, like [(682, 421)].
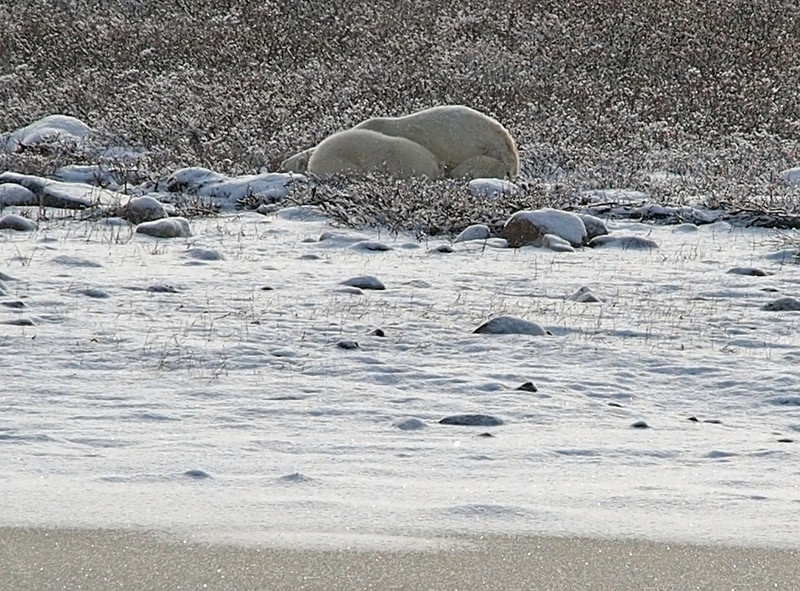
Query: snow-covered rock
[(13, 194), (52, 193), (167, 228), (48, 130), (143, 209), (89, 174), (586, 295), (556, 243), (474, 232), (491, 188), (17, 223), (510, 325), (791, 175), (529, 227), (594, 226), (623, 242)]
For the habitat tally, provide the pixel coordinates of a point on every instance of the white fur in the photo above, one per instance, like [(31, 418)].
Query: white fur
[(467, 143), (362, 151)]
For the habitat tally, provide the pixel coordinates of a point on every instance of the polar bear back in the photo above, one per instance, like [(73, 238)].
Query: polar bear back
[(467, 143), (363, 151)]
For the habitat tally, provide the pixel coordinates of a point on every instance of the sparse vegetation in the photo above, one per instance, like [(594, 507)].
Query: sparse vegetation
[(684, 100)]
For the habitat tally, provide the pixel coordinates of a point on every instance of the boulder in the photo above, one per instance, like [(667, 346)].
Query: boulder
[(167, 228), (530, 227)]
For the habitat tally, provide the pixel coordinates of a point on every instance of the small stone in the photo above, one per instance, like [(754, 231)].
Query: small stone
[(19, 322), (614, 404), (586, 296), (197, 474), (474, 232), (782, 305), (410, 425), (267, 288), (166, 228), (143, 209), (594, 226), (693, 419), (372, 246), (161, 288), (510, 325), (623, 242), (751, 271), (17, 223), (485, 435), (712, 421), (555, 243), (93, 293), (785, 440), (204, 254), (378, 332), (471, 420), (640, 425), (442, 249), (527, 387), (365, 282), (347, 345), (17, 305)]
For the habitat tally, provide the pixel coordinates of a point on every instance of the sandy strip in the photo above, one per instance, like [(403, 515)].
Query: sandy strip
[(95, 560)]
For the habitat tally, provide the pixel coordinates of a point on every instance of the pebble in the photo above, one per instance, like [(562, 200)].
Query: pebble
[(347, 345), (510, 325), (527, 387), (365, 282), (472, 420)]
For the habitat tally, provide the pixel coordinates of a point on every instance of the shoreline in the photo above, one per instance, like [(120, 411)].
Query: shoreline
[(94, 559)]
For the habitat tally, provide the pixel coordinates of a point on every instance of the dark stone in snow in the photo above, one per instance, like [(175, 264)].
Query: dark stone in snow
[(752, 271), (348, 345), (197, 474), (472, 421), (527, 387), (161, 288), (410, 425), (782, 305), (485, 435), (640, 425), (510, 325), (378, 332), (15, 304), (364, 282)]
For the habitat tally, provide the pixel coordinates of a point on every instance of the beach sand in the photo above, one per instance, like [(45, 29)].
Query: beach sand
[(95, 560)]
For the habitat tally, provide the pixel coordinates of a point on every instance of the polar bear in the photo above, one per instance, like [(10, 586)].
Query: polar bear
[(467, 143), (362, 150), (297, 163)]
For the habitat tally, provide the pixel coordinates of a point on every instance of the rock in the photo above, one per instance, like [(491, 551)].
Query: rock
[(15, 304), (89, 174), (410, 425), (782, 305), (365, 282), (791, 176), (161, 288), (472, 421), (510, 325), (442, 249), (623, 242), (197, 474), (371, 245), (71, 261), (556, 243), (378, 332), (52, 193), (302, 213), (640, 425), (350, 290), (48, 130), (474, 232), (527, 387), (191, 179), (166, 228), (347, 345), (204, 254), (529, 227), (14, 194), (594, 226), (752, 271), (17, 223), (93, 293), (492, 188), (143, 209), (586, 295)]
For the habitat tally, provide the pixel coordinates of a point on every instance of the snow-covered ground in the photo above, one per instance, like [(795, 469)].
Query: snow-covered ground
[(228, 386)]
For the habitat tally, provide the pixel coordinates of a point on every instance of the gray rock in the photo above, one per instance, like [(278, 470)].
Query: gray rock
[(470, 420), (71, 261), (555, 243), (787, 304), (594, 226), (623, 242), (347, 345), (474, 232), (371, 245), (529, 227), (410, 425), (17, 223), (365, 282), (586, 295), (492, 188), (204, 254), (751, 271), (443, 249), (143, 209), (167, 228), (510, 325), (14, 194)]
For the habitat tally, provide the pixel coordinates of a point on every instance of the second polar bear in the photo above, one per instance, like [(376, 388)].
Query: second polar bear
[(466, 142), (362, 151)]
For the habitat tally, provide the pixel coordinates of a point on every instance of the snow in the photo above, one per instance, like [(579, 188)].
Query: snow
[(50, 129), (156, 386)]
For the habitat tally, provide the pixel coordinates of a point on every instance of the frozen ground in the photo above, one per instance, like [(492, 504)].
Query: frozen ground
[(196, 385)]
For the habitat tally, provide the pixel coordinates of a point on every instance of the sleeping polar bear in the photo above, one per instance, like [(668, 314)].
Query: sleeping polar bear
[(362, 151), (467, 143), (464, 142)]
